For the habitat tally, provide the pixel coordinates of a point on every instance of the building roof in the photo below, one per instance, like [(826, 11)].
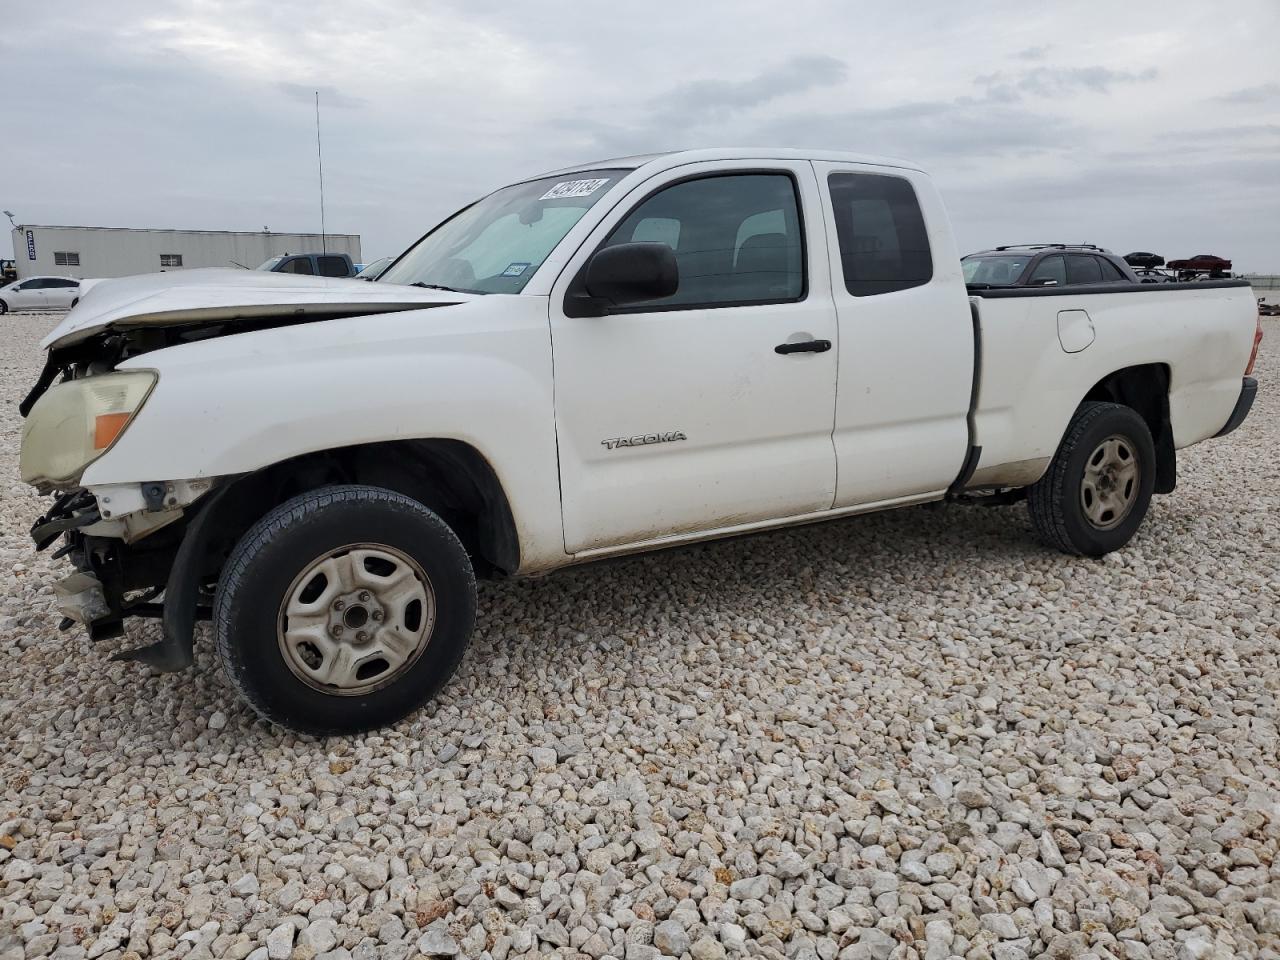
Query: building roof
[(234, 233)]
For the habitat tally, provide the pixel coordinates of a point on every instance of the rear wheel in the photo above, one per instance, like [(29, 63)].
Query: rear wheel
[(344, 609), (1096, 492), (4, 308)]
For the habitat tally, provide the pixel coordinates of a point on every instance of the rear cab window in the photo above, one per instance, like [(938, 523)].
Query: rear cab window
[(884, 245)]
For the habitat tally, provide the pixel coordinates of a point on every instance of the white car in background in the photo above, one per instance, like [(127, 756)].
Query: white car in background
[(40, 293)]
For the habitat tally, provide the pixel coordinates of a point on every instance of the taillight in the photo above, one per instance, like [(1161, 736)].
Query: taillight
[(1257, 342)]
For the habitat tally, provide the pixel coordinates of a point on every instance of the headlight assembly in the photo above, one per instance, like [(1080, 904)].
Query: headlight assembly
[(76, 422)]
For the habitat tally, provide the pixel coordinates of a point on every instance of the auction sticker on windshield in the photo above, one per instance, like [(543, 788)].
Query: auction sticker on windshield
[(573, 188)]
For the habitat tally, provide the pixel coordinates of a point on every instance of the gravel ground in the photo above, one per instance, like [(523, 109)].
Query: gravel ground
[(912, 735)]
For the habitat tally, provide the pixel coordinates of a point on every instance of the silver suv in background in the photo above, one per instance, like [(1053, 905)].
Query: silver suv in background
[(1045, 265)]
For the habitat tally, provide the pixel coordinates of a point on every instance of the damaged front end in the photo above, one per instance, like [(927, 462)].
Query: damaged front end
[(154, 548), (120, 574)]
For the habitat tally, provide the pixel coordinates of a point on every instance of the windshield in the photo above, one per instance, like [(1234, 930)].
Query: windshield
[(497, 244), (998, 269), (269, 264)]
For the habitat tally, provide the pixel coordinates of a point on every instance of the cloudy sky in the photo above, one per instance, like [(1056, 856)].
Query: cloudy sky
[(1152, 126)]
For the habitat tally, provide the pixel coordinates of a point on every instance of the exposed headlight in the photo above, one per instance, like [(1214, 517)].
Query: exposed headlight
[(76, 422)]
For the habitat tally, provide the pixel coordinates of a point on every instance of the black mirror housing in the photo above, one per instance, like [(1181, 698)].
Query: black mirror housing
[(632, 273)]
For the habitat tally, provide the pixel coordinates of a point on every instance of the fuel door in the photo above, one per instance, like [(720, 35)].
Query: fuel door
[(1075, 330)]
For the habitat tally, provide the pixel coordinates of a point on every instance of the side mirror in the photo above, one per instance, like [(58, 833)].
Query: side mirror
[(632, 273)]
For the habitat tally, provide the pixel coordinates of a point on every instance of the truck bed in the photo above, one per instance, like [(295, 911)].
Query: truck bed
[(1044, 348)]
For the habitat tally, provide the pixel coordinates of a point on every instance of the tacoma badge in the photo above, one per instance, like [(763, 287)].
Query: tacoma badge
[(614, 442)]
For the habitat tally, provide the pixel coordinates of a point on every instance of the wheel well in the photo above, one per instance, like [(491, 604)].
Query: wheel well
[(449, 476), (1145, 388)]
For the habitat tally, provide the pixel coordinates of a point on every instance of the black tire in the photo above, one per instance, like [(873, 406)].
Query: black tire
[(1056, 501), (4, 308), (74, 302), (264, 567)]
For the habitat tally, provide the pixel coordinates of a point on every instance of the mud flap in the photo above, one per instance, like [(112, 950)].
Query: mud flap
[(175, 651)]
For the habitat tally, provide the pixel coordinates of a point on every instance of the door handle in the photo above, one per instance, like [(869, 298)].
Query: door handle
[(803, 346)]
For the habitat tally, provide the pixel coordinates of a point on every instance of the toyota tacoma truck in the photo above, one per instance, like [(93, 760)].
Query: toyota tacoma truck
[(610, 358)]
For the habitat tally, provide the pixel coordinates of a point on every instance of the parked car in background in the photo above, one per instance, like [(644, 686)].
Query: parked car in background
[(374, 270), (1144, 259), (1153, 275), (1045, 265), (1202, 263), (642, 353), (311, 264), (8, 271), (40, 293)]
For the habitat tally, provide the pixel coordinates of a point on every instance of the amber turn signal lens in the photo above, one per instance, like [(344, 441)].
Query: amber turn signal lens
[(106, 427)]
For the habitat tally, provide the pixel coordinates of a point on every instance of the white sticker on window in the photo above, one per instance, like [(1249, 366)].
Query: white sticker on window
[(515, 269), (573, 188)]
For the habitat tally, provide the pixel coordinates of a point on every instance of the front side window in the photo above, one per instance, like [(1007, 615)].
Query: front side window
[(884, 246), (66, 258), (1050, 268), (737, 239), (298, 265), (1083, 268), (497, 244)]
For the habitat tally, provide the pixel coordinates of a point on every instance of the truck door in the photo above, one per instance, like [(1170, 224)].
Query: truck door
[(906, 337), (681, 415)]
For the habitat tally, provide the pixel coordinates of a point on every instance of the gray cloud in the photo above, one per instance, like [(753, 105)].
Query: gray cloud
[(1051, 82), (702, 99), (1033, 53), (1263, 93)]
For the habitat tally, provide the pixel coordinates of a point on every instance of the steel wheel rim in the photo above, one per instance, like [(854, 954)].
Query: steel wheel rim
[(355, 619), (1112, 477)]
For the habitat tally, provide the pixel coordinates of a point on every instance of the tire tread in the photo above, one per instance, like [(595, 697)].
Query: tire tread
[(292, 513), (1045, 496)]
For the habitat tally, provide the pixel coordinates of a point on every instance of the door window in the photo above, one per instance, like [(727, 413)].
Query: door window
[(737, 239), (1050, 268), (300, 265), (1083, 268), (884, 245), (333, 267)]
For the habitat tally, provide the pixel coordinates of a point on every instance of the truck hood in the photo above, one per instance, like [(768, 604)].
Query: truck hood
[(219, 294)]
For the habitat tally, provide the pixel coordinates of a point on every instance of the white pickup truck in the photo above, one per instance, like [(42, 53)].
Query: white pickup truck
[(610, 358)]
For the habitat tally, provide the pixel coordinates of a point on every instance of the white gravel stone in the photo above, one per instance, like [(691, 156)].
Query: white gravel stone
[(908, 734)]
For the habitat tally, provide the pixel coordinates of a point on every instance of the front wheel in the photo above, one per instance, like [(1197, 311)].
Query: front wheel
[(1098, 487), (344, 609), (4, 308)]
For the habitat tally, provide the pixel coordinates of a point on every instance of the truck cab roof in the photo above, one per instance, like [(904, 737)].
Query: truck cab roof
[(675, 158)]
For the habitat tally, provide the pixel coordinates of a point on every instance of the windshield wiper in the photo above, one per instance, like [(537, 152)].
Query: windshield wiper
[(433, 286)]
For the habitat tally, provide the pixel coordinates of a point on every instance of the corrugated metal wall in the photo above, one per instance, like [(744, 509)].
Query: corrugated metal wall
[(112, 252)]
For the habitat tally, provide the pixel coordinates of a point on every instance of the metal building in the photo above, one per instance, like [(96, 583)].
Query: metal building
[(83, 252)]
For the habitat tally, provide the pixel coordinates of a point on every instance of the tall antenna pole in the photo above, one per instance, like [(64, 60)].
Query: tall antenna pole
[(320, 162)]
